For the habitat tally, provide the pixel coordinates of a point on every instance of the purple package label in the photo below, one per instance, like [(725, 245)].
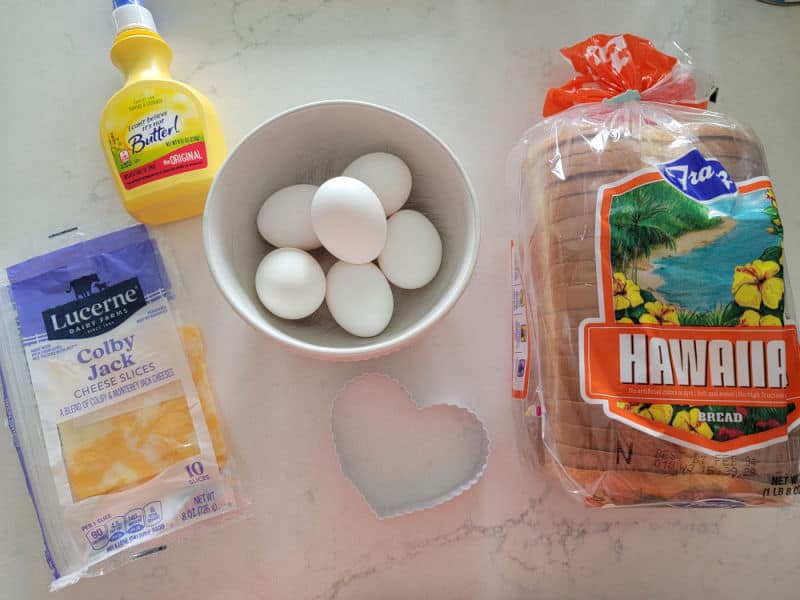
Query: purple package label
[(88, 288)]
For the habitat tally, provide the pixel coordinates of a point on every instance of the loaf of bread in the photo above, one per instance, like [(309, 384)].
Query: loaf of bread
[(566, 160)]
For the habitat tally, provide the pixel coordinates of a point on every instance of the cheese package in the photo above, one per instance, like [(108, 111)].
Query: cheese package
[(108, 398), (663, 334)]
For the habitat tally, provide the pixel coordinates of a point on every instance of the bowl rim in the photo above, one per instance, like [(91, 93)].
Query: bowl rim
[(368, 351)]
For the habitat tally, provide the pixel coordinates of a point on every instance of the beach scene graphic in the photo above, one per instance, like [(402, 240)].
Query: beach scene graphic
[(676, 261)]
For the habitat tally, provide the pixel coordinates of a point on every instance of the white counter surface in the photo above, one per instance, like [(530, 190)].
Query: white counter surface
[(476, 73)]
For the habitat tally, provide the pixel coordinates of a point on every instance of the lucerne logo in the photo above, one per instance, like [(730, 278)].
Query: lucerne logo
[(97, 308)]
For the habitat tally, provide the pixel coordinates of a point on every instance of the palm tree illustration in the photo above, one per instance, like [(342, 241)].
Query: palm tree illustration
[(637, 228)]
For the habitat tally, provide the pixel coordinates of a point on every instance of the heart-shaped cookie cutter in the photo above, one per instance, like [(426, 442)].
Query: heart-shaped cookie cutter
[(402, 457)]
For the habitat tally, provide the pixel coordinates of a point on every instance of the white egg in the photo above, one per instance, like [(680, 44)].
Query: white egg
[(290, 283), (413, 252), (359, 298), (349, 220), (387, 175), (284, 219)]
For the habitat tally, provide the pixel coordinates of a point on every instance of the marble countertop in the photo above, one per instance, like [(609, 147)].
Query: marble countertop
[(475, 72)]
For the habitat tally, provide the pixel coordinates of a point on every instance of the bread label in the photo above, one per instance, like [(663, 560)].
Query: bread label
[(520, 333), (693, 343)]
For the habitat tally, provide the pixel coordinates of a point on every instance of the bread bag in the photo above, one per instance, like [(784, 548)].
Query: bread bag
[(664, 350)]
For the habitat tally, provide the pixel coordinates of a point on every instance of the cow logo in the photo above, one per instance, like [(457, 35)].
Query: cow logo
[(98, 306), (82, 286)]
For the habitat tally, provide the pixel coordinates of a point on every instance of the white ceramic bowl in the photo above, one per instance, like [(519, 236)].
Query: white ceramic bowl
[(310, 144)]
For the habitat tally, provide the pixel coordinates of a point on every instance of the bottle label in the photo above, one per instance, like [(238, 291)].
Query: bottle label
[(693, 344), (155, 133)]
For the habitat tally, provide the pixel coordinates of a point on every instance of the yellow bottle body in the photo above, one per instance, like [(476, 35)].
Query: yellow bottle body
[(162, 139)]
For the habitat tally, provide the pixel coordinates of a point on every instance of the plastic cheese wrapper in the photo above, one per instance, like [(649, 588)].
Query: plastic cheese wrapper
[(107, 396), (664, 345)]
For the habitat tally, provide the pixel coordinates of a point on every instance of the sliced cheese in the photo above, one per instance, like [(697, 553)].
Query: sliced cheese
[(128, 449)]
